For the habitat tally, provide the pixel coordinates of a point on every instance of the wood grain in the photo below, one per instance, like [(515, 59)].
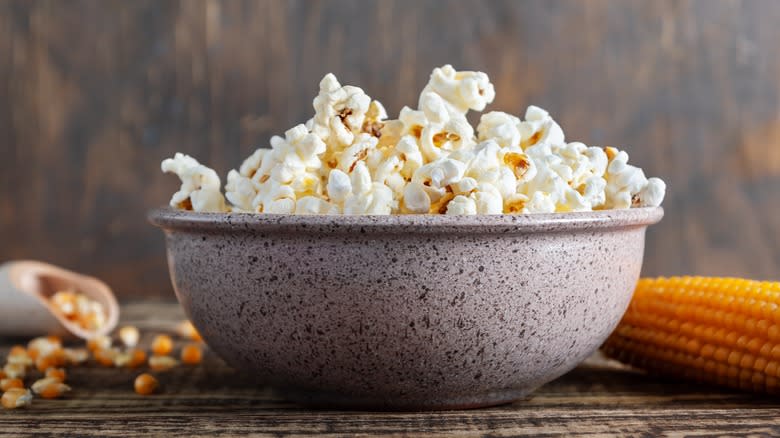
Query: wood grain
[(600, 398), (93, 94)]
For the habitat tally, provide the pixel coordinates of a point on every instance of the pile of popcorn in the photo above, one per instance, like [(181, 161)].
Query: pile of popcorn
[(349, 159)]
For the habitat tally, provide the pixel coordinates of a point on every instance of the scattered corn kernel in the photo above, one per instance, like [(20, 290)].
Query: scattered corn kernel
[(6, 384), (56, 373), (129, 336), (53, 359), (15, 371), (715, 330), (17, 350), (191, 354), (186, 330), (162, 345), (42, 346), (76, 356), (106, 357), (162, 363), (50, 387), (146, 384), (99, 343), (80, 309), (16, 398), (18, 355), (132, 358)]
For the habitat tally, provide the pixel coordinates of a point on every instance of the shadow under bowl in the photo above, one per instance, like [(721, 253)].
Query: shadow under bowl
[(408, 312)]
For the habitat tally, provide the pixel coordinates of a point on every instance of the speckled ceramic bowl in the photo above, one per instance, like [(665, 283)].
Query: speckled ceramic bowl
[(405, 312)]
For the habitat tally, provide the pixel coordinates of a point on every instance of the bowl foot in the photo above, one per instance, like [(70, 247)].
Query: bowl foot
[(335, 400)]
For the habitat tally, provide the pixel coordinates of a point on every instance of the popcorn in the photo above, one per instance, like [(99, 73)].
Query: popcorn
[(199, 185), (500, 127), (461, 91), (462, 205), (350, 159), (339, 112)]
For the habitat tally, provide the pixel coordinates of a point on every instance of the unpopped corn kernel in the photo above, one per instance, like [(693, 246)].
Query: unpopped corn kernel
[(56, 373), (162, 345), (146, 384), (16, 398), (6, 384), (186, 330), (50, 387), (191, 354), (15, 370), (162, 363)]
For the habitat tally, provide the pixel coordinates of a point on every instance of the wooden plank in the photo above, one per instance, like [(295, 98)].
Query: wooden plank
[(598, 398)]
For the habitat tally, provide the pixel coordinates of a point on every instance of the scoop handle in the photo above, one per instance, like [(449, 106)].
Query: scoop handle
[(23, 313)]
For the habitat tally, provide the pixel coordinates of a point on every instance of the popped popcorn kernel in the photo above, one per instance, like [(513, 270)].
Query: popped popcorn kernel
[(16, 398), (350, 158)]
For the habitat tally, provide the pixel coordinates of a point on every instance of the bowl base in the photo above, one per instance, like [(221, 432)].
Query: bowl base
[(334, 400)]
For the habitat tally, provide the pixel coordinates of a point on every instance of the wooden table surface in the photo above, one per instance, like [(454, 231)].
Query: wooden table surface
[(598, 398)]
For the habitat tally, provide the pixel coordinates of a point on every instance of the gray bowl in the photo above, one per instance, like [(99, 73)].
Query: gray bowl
[(405, 312)]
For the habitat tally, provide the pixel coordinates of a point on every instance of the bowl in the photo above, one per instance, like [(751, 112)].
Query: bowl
[(406, 312)]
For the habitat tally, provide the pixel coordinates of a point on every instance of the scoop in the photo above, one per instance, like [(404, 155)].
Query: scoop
[(25, 308)]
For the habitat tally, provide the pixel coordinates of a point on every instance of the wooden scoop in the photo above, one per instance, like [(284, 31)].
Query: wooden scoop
[(25, 308)]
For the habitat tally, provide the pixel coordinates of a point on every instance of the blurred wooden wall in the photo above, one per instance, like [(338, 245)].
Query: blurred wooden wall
[(93, 94)]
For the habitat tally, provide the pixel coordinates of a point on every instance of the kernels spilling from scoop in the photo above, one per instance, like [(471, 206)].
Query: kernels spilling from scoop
[(348, 159), (80, 309)]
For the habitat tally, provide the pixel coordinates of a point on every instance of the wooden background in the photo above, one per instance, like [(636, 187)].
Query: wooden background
[(93, 94)]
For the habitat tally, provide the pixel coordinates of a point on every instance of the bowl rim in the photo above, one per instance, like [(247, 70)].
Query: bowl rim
[(170, 219)]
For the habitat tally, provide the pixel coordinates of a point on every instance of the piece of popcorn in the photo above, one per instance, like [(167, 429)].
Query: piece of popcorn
[(487, 199), (465, 186), (315, 205), (250, 166), (460, 90), (500, 127), (515, 204), (359, 150), (339, 112), (540, 202), (593, 191), (416, 199), (240, 191), (274, 198), (652, 195), (373, 123), (460, 205), (339, 186), (539, 127), (200, 185), (410, 154), (439, 140), (440, 173), (624, 181)]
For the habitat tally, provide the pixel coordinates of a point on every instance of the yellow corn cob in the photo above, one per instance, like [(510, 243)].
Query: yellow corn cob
[(714, 330)]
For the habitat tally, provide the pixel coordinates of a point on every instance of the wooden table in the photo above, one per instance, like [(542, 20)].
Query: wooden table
[(598, 398)]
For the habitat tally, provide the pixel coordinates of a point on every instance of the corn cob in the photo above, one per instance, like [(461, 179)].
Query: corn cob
[(724, 331)]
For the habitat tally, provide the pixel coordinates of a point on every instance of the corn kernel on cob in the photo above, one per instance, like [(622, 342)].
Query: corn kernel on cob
[(707, 329)]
